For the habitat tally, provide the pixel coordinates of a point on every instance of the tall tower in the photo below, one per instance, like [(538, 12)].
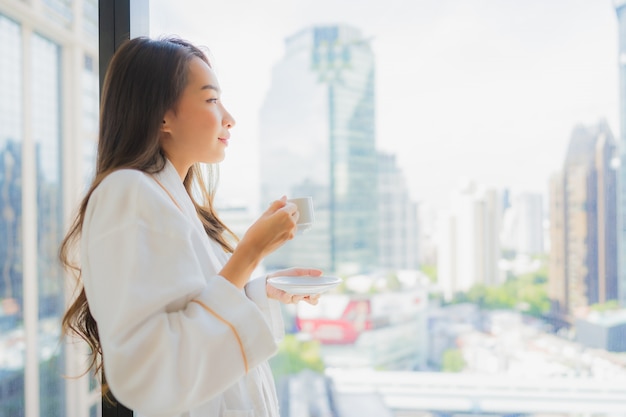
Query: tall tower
[(583, 268), (398, 220), (317, 137), (469, 245), (620, 8)]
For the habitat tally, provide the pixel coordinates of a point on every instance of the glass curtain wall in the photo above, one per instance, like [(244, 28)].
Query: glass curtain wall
[(46, 126), (12, 347)]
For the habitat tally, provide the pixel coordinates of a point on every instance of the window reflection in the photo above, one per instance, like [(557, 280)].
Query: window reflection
[(12, 343), (46, 116), (494, 262), (40, 115), (497, 263)]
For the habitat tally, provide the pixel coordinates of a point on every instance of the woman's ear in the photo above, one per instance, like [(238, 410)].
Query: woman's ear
[(166, 124)]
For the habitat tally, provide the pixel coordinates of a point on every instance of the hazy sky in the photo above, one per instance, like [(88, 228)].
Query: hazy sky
[(466, 89)]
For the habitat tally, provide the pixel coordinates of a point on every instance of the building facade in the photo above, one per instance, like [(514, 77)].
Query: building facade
[(620, 8), (583, 255), (48, 121), (317, 138), (469, 240), (398, 218)]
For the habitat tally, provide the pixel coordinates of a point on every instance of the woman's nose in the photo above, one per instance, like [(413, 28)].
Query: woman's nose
[(228, 120)]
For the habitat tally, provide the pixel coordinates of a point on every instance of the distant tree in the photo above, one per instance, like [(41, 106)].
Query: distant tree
[(527, 293), (430, 271), (393, 282), (607, 306), (452, 361), (477, 294), (295, 355)]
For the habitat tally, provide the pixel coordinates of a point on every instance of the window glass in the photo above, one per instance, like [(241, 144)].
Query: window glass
[(464, 162), (60, 10), (90, 16), (90, 85), (48, 109), (46, 126), (12, 335)]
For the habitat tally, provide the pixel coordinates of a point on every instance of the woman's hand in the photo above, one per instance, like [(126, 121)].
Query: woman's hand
[(276, 226), (286, 298)]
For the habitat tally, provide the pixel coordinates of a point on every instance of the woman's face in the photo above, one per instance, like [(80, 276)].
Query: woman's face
[(197, 130)]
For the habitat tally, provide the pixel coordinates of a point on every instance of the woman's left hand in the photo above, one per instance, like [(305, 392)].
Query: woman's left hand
[(286, 298)]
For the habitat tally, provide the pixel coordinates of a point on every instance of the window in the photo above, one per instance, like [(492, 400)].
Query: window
[(475, 264), (40, 113)]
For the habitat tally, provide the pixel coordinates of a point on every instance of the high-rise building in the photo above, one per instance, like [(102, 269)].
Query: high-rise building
[(583, 255), (469, 240), (522, 224), (620, 8), (427, 234), (398, 220), (557, 283), (317, 138), (48, 114)]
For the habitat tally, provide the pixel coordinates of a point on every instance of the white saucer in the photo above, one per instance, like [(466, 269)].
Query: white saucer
[(305, 285)]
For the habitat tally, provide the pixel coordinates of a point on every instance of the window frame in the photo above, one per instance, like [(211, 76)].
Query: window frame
[(118, 20)]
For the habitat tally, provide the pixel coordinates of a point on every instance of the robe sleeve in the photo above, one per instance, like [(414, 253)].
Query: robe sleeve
[(173, 334), (256, 290)]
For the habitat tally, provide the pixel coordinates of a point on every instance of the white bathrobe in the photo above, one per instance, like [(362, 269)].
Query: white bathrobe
[(177, 338)]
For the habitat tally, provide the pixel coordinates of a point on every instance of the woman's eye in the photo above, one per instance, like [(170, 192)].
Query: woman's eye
[(212, 100)]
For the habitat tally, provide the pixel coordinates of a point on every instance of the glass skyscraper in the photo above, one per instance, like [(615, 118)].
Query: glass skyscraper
[(583, 266), (317, 138), (48, 105), (620, 7)]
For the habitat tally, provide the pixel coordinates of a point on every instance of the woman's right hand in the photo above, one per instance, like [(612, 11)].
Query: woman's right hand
[(275, 227)]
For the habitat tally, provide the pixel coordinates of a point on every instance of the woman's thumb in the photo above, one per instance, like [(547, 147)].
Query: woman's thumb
[(276, 204)]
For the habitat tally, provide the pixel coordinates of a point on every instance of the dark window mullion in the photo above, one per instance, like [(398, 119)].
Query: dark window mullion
[(118, 20)]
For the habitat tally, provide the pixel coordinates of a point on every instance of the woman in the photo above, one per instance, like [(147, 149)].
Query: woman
[(166, 304)]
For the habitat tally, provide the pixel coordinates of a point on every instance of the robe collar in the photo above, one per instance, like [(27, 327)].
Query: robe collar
[(170, 179)]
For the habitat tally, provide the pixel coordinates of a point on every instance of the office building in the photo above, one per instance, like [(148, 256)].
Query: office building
[(398, 218), (583, 254), (469, 240), (317, 138), (620, 8), (605, 331)]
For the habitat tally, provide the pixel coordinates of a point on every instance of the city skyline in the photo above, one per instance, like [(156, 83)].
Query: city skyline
[(49, 72), (490, 91)]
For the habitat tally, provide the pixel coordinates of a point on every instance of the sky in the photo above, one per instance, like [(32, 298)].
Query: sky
[(484, 90)]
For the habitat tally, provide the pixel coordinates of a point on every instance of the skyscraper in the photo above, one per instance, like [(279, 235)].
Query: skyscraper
[(620, 8), (398, 220), (317, 138), (48, 113), (583, 264), (469, 240)]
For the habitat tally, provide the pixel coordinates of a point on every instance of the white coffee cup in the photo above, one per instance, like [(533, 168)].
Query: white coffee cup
[(305, 208)]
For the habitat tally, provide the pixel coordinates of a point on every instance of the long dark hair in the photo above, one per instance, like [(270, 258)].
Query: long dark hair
[(144, 80)]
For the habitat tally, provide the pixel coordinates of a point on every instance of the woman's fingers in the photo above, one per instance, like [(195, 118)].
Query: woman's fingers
[(286, 298), (312, 299), (296, 272)]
